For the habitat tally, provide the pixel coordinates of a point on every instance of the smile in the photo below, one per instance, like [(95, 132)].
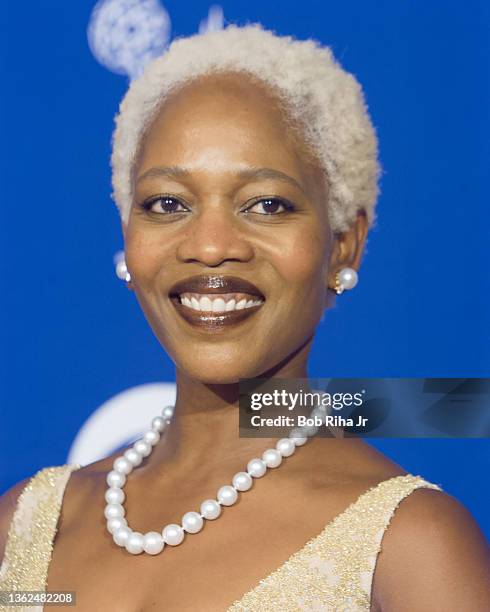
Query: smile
[(214, 302), (215, 312)]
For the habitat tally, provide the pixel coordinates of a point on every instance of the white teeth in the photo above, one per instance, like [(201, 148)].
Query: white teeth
[(217, 304), (205, 304)]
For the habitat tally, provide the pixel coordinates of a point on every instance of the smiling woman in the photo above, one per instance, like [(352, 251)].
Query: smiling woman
[(245, 170)]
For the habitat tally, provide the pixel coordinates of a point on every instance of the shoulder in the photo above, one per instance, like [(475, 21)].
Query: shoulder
[(84, 486), (8, 503), (434, 556)]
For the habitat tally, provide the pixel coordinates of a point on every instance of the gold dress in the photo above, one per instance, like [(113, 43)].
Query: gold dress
[(332, 572)]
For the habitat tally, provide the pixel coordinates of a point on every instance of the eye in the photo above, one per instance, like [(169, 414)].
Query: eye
[(163, 205), (271, 206)]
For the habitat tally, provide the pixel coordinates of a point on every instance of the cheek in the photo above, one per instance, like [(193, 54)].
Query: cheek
[(302, 262), (143, 255)]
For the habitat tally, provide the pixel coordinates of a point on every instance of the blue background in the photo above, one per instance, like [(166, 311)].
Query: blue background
[(72, 336)]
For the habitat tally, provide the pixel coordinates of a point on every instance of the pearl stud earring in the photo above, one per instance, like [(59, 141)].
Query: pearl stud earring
[(120, 266), (345, 279)]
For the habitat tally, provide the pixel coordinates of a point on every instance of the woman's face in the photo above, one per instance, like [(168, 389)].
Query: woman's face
[(222, 190)]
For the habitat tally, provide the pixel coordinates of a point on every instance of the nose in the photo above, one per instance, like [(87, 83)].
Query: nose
[(213, 236)]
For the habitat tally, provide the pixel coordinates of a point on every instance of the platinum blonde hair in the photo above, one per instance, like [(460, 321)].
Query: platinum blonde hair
[(321, 97)]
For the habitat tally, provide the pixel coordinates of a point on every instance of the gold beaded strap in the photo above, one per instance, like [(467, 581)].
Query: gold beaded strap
[(32, 531), (334, 570)]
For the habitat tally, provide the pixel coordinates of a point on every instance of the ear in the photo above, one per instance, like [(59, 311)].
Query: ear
[(348, 248)]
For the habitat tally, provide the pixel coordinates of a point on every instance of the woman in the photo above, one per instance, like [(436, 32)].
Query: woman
[(245, 165)]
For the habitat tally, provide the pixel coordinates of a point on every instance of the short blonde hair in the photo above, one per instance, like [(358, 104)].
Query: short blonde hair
[(325, 100)]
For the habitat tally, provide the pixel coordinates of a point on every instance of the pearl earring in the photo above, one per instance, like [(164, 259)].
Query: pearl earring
[(345, 279), (120, 266)]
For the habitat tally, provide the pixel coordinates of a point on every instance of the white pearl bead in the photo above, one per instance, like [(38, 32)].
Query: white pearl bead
[(142, 447), (114, 495), (348, 278), (114, 524), (210, 509), (133, 456), (192, 522), (158, 424), (318, 412), (227, 495), (153, 543), (115, 479), (242, 481), (122, 465), (152, 437), (173, 534), (309, 430), (168, 412), (286, 447), (121, 535), (134, 543), (298, 437), (114, 511), (272, 458), (256, 468)]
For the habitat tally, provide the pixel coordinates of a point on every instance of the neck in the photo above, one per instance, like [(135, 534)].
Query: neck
[(203, 435)]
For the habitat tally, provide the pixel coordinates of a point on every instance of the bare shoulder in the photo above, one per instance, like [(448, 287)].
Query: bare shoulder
[(434, 557), (351, 457), (8, 504), (350, 465), (84, 486), (81, 485), (333, 474)]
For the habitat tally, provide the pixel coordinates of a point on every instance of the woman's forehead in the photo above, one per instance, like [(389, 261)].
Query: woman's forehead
[(222, 120), (225, 100)]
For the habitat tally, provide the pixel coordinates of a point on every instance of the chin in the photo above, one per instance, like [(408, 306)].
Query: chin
[(219, 372)]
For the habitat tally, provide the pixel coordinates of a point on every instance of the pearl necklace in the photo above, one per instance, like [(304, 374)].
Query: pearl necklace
[(153, 542)]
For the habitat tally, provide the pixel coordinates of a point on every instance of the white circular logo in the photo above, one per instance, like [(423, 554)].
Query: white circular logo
[(124, 35)]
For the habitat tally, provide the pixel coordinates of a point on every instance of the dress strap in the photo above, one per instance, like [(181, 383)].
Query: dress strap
[(334, 570), (356, 535), (32, 530)]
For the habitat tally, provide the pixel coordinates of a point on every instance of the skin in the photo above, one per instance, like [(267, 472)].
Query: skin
[(216, 128)]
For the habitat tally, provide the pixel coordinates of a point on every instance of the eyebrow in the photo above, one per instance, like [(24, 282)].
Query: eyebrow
[(250, 174)]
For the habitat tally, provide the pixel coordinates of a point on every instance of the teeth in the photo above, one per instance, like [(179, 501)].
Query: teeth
[(218, 304), (204, 303)]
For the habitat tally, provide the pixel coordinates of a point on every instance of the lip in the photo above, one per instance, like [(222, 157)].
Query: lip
[(214, 284)]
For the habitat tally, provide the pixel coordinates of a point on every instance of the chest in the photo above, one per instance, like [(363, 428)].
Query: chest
[(207, 572)]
